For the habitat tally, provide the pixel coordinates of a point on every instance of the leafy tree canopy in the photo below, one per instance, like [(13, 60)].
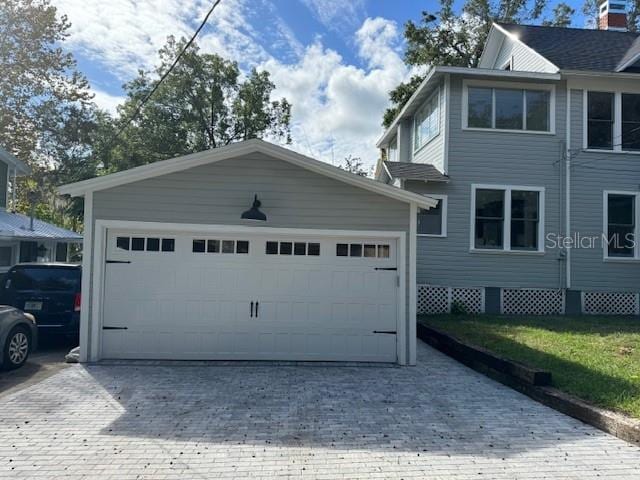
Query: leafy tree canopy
[(204, 103)]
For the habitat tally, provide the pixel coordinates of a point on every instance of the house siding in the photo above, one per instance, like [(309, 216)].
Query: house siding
[(292, 197), (591, 174), (494, 158), (432, 152), (524, 58)]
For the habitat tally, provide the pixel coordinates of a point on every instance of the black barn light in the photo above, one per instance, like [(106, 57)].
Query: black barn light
[(254, 212)]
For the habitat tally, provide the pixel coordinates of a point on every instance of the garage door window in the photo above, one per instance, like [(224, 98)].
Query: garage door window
[(203, 245), (142, 244), (292, 248), (366, 250)]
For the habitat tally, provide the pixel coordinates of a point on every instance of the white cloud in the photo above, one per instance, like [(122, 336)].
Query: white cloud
[(106, 101), (337, 15), (337, 108)]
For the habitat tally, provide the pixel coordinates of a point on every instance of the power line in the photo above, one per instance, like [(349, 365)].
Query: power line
[(165, 74)]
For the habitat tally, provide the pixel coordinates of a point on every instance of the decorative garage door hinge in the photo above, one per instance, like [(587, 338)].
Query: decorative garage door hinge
[(387, 332), (105, 327), (118, 261)]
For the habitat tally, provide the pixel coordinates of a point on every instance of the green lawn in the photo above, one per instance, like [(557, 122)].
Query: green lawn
[(595, 358)]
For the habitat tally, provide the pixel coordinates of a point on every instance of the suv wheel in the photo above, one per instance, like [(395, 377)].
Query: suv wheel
[(16, 348)]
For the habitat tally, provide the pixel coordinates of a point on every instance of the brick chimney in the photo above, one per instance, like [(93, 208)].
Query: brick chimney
[(612, 15)]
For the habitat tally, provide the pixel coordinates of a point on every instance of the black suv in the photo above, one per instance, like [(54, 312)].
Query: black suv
[(48, 291)]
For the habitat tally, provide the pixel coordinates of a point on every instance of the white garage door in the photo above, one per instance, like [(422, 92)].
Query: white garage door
[(238, 296)]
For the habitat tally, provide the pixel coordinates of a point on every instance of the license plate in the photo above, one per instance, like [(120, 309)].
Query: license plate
[(33, 305)]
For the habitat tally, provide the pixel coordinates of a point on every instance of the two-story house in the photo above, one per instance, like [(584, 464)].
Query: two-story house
[(24, 238), (534, 157)]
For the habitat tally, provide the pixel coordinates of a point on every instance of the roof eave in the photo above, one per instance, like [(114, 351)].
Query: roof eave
[(233, 151)]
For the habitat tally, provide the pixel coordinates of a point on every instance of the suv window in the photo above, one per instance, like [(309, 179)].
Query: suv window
[(45, 279)]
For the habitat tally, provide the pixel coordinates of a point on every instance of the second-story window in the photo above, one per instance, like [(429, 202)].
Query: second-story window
[(600, 118), (427, 122), (509, 109), (613, 121)]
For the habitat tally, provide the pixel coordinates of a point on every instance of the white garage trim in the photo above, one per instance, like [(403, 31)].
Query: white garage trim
[(100, 237), (413, 245), (87, 245)]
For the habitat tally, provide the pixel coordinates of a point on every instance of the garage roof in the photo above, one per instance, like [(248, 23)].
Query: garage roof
[(237, 150)]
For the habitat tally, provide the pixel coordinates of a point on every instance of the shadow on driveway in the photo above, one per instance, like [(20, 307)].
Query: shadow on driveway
[(48, 360)]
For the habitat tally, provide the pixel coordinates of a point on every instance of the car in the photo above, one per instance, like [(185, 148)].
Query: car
[(18, 337), (48, 291)]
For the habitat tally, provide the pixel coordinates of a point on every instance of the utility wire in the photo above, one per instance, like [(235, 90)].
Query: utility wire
[(165, 74)]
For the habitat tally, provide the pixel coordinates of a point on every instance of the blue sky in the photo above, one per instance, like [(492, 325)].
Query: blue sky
[(334, 60)]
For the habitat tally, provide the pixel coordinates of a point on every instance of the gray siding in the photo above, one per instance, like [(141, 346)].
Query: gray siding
[(592, 174), (432, 152), (292, 197), (494, 158), (523, 57)]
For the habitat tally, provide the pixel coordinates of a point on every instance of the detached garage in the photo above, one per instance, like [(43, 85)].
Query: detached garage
[(247, 252)]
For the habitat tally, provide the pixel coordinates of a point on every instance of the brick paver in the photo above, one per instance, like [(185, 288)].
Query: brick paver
[(438, 420)]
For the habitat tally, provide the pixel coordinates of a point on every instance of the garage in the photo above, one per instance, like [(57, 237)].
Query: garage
[(175, 269)]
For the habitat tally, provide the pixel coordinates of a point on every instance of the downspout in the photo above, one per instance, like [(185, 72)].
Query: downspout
[(567, 190)]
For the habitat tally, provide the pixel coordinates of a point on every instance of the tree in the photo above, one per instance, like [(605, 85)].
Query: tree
[(204, 103), (46, 114), (446, 38), (39, 83), (562, 16), (355, 165)]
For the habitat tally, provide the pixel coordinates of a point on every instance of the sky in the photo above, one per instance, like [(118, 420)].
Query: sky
[(334, 60)]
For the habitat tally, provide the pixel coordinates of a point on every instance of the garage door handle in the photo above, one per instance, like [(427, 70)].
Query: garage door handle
[(114, 328), (257, 309), (388, 332), (251, 314), (118, 261), (386, 268)]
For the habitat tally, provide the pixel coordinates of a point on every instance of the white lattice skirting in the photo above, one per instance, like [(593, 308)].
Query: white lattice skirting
[(532, 301), (610, 303), (434, 299)]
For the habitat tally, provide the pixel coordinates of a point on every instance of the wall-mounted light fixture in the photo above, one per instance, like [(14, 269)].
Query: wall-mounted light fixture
[(254, 212)]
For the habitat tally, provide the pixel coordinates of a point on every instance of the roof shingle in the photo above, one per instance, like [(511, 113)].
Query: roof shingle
[(415, 171), (579, 48)]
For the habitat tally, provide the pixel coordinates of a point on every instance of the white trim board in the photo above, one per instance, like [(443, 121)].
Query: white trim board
[(405, 333), (237, 150)]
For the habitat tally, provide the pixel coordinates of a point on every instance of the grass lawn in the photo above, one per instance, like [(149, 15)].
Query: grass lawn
[(594, 358)]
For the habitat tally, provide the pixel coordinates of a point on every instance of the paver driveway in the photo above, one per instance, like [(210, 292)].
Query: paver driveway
[(437, 420)]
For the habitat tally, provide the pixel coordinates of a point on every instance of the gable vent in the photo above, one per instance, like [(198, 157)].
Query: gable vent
[(612, 15)]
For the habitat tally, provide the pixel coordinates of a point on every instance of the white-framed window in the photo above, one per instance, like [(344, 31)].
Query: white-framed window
[(393, 151), (508, 107), (433, 222), (507, 218), (612, 121), (621, 212), (426, 122)]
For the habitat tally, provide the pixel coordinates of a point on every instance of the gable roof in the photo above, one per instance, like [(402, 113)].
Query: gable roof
[(578, 48), (415, 171), (237, 150), (20, 166), (16, 225)]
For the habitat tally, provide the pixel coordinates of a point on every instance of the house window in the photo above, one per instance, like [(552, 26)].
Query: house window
[(600, 119), (28, 251), (432, 222), (6, 256), (630, 121), (62, 251), (507, 218), (427, 122), (517, 109), (621, 215)]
